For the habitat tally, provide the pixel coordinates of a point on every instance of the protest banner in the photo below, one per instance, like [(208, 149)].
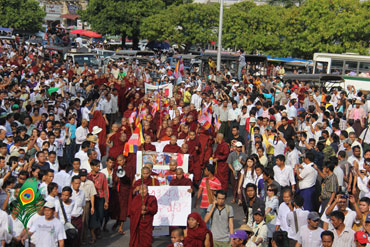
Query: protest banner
[(174, 205), (166, 89), (161, 161), (159, 146)]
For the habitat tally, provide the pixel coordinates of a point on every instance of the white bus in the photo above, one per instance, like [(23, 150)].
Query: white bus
[(354, 68)]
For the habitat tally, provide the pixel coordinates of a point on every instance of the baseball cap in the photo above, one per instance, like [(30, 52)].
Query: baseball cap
[(313, 216), (260, 211), (252, 120), (49, 204), (258, 135), (361, 237), (83, 172), (238, 144), (240, 234)]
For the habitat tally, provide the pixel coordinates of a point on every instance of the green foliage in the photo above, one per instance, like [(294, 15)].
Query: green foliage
[(334, 26), (184, 24), (254, 28), (21, 14), (118, 17)]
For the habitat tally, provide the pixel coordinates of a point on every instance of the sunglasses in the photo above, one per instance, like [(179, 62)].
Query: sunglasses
[(270, 190)]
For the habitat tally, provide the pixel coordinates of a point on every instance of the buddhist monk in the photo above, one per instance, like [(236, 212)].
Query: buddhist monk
[(142, 210), (181, 180), (172, 147), (122, 184), (219, 158), (147, 180), (194, 152), (167, 135), (191, 123), (147, 130), (148, 146), (184, 132)]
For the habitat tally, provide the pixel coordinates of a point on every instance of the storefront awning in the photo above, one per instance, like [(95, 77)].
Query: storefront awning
[(70, 16)]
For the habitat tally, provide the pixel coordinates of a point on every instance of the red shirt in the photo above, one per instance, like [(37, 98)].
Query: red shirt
[(101, 185), (214, 184)]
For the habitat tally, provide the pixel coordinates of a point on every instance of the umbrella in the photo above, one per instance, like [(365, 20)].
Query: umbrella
[(78, 31), (91, 34)]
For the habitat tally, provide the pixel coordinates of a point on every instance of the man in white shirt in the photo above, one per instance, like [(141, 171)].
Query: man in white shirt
[(62, 178), (79, 199), (196, 100), (48, 230), (292, 157), (306, 175), (343, 235), (283, 174), (82, 155), (285, 207), (81, 133), (5, 236), (47, 179), (310, 235), (296, 218)]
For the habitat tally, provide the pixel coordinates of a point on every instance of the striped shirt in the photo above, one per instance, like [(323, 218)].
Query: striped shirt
[(214, 184), (345, 239), (101, 185)]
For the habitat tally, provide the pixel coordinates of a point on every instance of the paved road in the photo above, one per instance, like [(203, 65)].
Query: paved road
[(115, 240)]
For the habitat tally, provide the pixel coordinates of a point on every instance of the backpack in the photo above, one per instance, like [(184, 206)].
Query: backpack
[(227, 207)]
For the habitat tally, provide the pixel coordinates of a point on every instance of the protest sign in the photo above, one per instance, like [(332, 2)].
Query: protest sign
[(174, 205), (166, 89), (161, 161)]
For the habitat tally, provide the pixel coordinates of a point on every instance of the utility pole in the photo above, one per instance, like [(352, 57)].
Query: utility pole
[(219, 45)]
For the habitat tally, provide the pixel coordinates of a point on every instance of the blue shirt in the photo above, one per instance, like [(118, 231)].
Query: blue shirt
[(72, 130)]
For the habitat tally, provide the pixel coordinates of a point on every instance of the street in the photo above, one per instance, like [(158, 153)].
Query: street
[(116, 240)]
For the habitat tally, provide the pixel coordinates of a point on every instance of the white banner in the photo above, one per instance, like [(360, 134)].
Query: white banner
[(53, 8), (167, 89), (159, 146), (174, 205)]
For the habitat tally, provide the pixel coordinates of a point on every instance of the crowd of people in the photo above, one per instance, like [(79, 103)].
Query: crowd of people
[(294, 158)]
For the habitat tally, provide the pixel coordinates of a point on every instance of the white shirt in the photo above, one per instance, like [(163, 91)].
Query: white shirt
[(108, 176), (196, 100), (114, 101), (340, 175), (349, 218), (292, 112), (308, 175), (106, 106), (62, 179), (285, 176), (292, 158), (309, 238), (30, 223), (301, 220), (345, 239), (282, 217), (233, 114), (279, 147), (4, 227), (81, 134), (80, 201), (67, 208), (16, 226), (48, 232), (85, 113)]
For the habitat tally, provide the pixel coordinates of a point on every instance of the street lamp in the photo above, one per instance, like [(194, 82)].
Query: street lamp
[(219, 45)]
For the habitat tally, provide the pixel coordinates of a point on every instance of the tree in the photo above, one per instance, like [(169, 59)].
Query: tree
[(184, 24), (120, 17), (254, 28), (24, 15), (334, 26)]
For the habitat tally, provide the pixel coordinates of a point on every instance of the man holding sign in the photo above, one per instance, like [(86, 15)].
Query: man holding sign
[(142, 210)]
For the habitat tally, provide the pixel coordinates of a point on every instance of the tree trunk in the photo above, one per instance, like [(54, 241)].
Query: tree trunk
[(123, 37), (135, 41)]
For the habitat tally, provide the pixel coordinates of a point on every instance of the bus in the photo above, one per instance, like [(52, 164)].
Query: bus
[(354, 68)]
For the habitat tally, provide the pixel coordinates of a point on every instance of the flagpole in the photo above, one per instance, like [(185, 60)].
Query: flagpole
[(219, 45)]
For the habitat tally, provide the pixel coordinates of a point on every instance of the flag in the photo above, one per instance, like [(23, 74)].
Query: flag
[(133, 115), (205, 119), (217, 122), (179, 70), (136, 139), (180, 159)]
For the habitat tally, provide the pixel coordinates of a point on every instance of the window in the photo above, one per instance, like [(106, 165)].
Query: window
[(321, 67), (336, 67), (364, 67), (350, 68)]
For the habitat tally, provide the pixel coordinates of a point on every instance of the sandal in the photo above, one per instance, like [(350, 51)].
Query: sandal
[(121, 231)]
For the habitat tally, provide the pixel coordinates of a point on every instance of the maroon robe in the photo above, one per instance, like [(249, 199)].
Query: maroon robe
[(222, 168), (150, 181), (171, 148), (182, 135), (141, 228), (192, 126), (149, 132), (122, 187), (194, 166), (149, 147), (118, 145), (181, 182), (127, 113)]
